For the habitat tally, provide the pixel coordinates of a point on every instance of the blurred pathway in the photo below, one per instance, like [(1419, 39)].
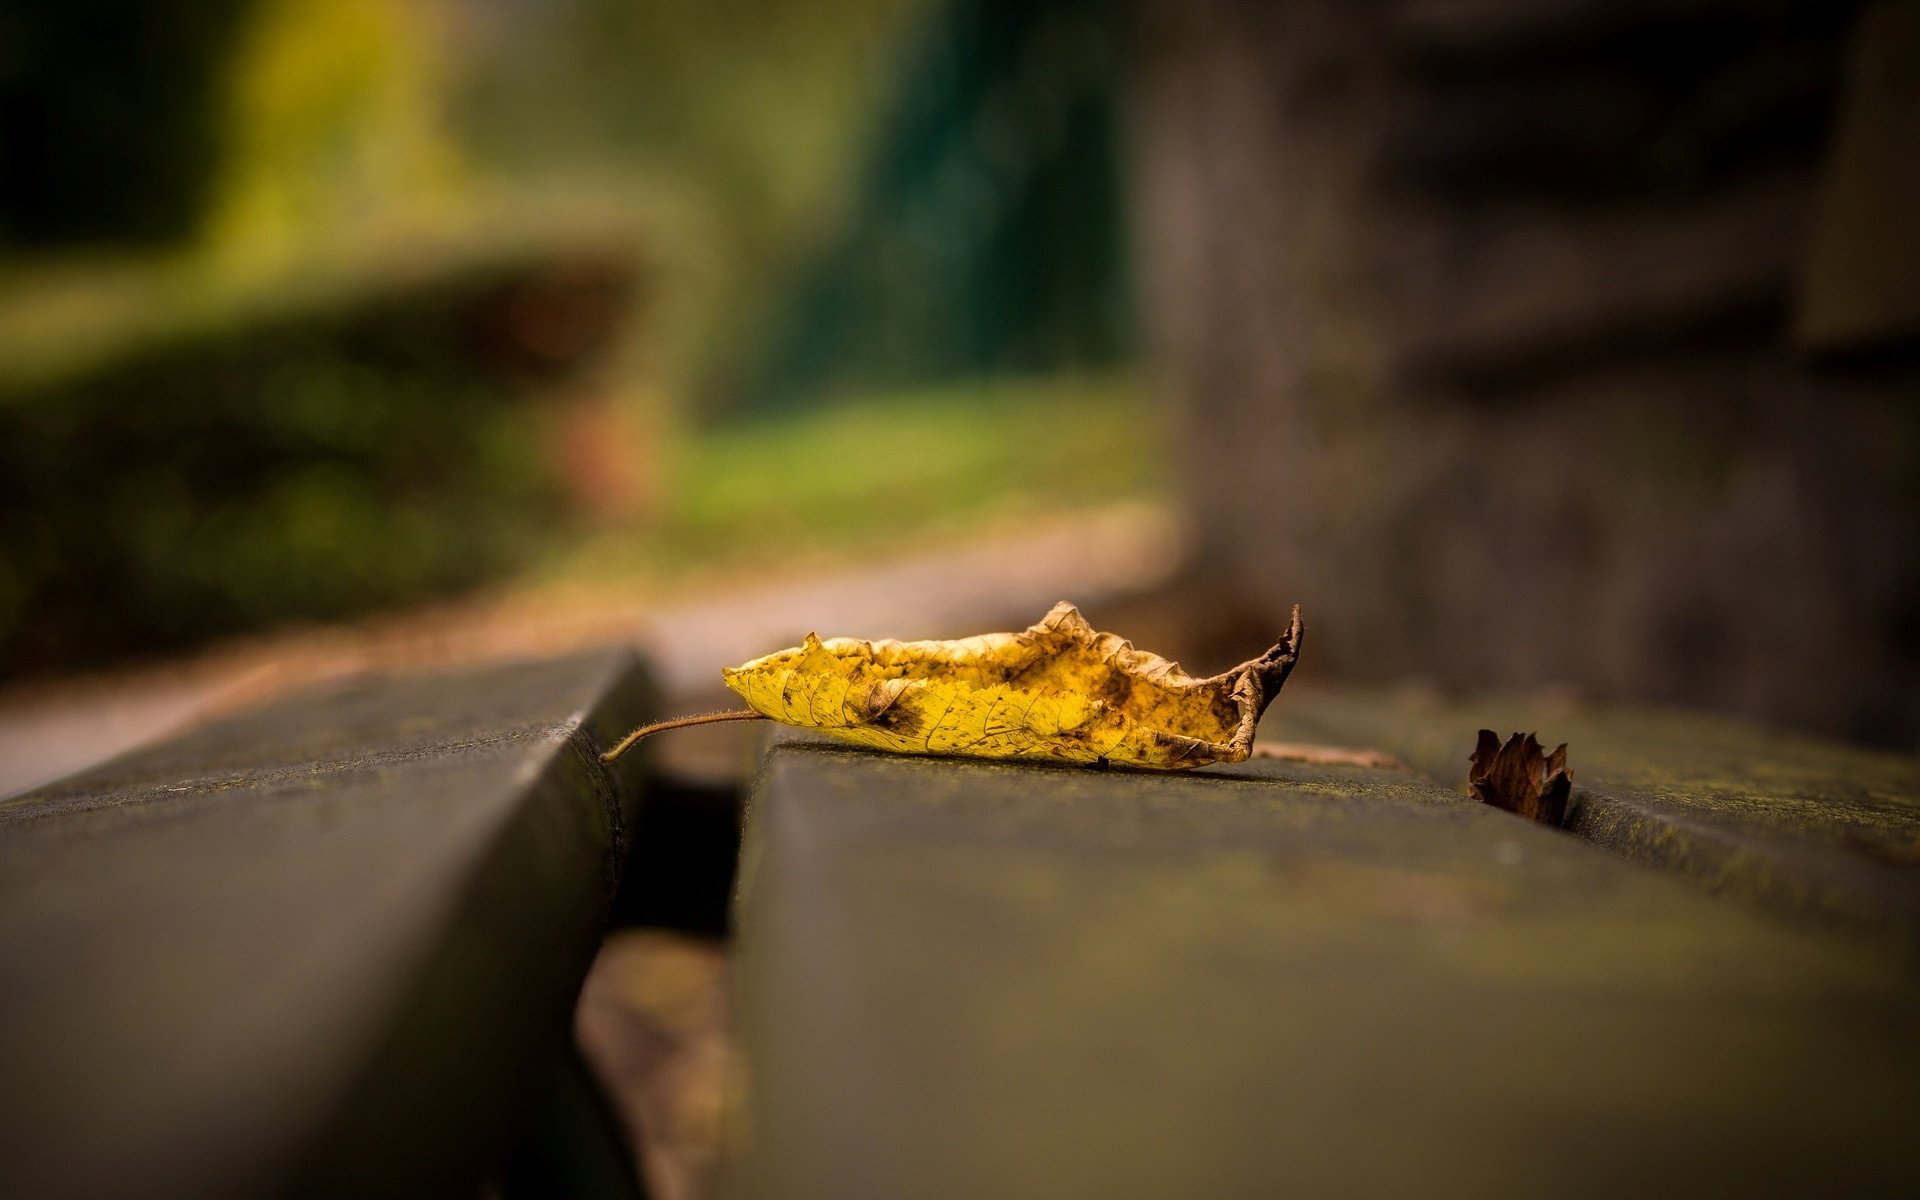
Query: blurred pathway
[(1005, 578)]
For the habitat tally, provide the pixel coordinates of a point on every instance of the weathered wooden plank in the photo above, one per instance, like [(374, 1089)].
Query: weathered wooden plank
[(1794, 823), (972, 979), (321, 947)]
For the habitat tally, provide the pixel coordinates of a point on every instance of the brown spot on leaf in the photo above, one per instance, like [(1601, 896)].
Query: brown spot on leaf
[(1520, 777), (1179, 747), (884, 710)]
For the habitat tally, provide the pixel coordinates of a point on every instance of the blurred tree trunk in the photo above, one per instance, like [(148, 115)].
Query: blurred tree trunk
[(1479, 313)]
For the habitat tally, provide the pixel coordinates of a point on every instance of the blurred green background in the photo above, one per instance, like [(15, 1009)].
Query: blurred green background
[(311, 308)]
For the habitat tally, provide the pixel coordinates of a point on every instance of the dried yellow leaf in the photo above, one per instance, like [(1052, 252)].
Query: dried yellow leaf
[(1057, 692)]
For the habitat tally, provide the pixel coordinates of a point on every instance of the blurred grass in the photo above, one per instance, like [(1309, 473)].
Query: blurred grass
[(300, 411), (886, 471)]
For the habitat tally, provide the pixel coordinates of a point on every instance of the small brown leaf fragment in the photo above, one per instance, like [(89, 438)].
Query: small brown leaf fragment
[(1520, 777)]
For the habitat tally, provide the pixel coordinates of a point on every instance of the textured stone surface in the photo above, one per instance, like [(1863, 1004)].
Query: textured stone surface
[(969, 979), (1796, 824), (323, 946)]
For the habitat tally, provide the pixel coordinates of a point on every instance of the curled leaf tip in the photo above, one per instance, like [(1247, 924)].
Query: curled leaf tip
[(1521, 777), (1057, 691)]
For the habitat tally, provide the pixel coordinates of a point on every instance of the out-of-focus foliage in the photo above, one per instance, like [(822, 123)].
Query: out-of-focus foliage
[(309, 464), (336, 133), (288, 404), (733, 128), (340, 389), (110, 117), (330, 137), (330, 169), (987, 233)]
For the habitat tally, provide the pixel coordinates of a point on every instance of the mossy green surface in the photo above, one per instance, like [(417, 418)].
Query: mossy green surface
[(966, 979), (1795, 822)]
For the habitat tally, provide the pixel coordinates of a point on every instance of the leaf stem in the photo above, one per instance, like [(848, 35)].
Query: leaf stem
[(736, 714)]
